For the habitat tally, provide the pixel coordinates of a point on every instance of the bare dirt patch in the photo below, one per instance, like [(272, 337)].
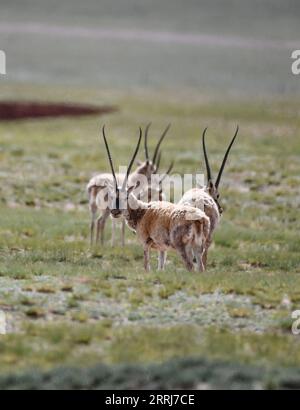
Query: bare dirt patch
[(12, 110)]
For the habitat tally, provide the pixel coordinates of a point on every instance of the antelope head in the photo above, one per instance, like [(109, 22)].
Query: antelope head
[(118, 197), (150, 166), (213, 187)]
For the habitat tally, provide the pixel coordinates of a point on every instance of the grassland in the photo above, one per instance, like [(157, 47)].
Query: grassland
[(68, 304)]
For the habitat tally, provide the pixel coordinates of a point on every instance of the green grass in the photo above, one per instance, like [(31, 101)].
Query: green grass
[(69, 304)]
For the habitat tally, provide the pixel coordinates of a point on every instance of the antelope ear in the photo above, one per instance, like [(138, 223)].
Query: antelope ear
[(139, 162), (211, 187), (210, 184), (130, 189)]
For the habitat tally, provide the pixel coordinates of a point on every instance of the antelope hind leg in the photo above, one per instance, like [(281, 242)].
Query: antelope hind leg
[(186, 257), (101, 225), (206, 247), (147, 258), (92, 228), (161, 260), (199, 254), (93, 210)]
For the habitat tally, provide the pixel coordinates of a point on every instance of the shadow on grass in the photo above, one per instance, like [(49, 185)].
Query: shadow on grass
[(13, 110), (192, 373)]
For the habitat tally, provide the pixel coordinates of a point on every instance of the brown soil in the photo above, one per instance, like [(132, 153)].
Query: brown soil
[(21, 110)]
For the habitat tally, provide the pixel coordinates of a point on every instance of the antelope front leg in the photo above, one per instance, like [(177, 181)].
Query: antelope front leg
[(113, 232), (161, 260), (123, 232)]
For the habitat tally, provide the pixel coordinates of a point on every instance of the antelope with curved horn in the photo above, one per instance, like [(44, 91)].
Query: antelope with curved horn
[(207, 198), (99, 182), (159, 224)]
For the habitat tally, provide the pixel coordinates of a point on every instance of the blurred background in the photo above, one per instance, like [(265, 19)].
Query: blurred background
[(217, 46)]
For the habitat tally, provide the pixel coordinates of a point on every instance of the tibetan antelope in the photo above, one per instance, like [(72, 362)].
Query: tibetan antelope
[(154, 190), (102, 181), (207, 197), (159, 225)]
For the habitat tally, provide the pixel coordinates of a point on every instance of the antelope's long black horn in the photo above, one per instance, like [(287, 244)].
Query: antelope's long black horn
[(158, 162), (167, 172), (225, 158), (146, 142), (159, 142), (109, 157), (133, 159), (208, 171)]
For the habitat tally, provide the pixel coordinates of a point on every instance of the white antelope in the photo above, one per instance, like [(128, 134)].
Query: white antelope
[(160, 225), (207, 197), (97, 201)]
